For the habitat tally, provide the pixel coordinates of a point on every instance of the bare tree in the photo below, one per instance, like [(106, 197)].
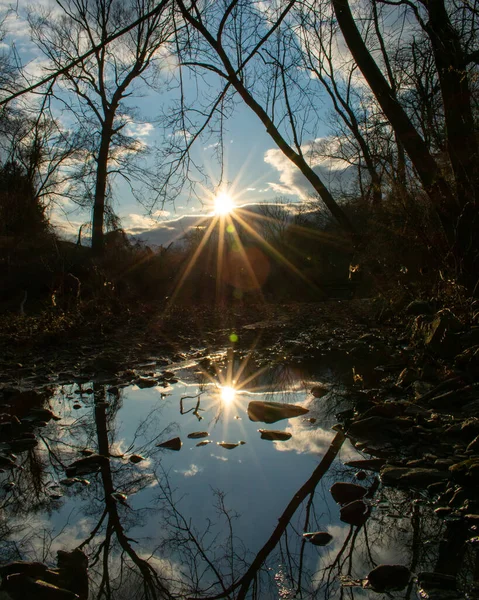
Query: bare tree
[(96, 89)]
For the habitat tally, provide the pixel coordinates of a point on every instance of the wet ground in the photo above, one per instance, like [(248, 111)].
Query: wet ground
[(160, 477)]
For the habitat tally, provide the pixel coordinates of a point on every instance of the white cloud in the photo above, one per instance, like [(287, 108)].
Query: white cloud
[(334, 172), (135, 223), (191, 471), (223, 458), (139, 129)]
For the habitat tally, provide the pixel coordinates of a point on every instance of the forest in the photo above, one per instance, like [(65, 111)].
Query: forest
[(344, 307)]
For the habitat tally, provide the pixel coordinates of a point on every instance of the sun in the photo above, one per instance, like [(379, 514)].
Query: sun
[(227, 394), (223, 204)]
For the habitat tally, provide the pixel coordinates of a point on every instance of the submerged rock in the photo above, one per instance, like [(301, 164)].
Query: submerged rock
[(270, 412), (318, 538), (389, 577), (136, 458), (344, 493), (173, 444), (355, 513), (275, 435), (230, 445), (84, 466), (319, 391)]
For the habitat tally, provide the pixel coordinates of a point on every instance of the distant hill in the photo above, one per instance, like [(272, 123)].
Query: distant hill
[(173, 231)]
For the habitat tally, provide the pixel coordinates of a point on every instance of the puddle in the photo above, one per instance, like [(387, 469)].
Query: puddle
[(216, 518)]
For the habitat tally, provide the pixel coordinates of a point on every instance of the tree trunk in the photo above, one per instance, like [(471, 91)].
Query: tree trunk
[(427, 169), (97, 240), (462, 143)]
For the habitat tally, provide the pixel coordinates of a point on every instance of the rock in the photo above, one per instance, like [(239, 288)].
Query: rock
[(33, 569), (360, 475), (419, 307), (375, 429), (355, 513), (173, 444), (41, 414), (274, 435), (450, 401), (473, 447), (468, 360), (431, 582), (136, 458), (120, 497), (196, 435), (471, 408), (466, 472), (406, 377), (230, 445), (470, 428), (318, 538), (145, 382), (419, 478), (371, 464), (84, 466), (438, 335), (73, 570), (389, 410), (270, 412), (319, 391), (443, 511), (344, 493), (21, 587), (389, 577)]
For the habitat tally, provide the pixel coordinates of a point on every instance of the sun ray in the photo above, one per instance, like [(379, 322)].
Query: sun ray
[(273, 251), (245, 258), (223, 204), (193, 260)]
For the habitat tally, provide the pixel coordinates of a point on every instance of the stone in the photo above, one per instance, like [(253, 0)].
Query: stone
[(429, 582), (466, 471), (84, 466), (406, 377), (371, 464), (173, 444), (270, 412), (355, 513), (419, 307), (274, 435), (375, 429), (319, 391), (318, 538), (389, 577), (344, 493), (419, 478), (438, 335), (473, 447), (145, 382)]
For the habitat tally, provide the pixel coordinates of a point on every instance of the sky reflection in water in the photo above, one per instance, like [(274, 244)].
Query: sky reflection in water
[(203, 489)]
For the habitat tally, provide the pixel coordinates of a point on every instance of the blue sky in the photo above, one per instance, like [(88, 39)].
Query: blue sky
[(254, 169)]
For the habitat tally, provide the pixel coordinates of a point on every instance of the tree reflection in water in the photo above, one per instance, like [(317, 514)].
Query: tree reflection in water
[(184, 560)]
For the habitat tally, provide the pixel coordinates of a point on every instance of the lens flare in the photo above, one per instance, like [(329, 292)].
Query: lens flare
[(227, 394), (224, 204)]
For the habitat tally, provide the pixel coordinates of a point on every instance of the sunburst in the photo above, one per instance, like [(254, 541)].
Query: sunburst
[(223, 204)]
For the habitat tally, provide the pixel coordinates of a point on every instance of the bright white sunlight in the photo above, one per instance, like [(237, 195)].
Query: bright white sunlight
[(227, 394), (223, 204)]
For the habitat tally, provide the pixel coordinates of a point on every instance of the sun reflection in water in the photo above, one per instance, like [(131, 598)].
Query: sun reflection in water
[(227, 394)]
